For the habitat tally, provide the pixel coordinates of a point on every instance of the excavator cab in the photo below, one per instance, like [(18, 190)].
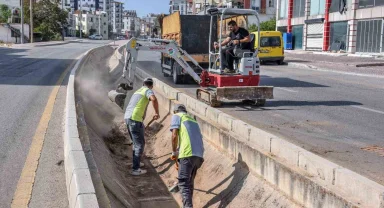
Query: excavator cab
[(244, 83), (246, 61)]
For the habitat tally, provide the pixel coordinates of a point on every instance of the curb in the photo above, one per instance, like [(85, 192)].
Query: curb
[(80, 188), (307, 178), (314, 68)]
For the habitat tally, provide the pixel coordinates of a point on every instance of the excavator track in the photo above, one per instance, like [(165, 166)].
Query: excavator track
[(208, 96)]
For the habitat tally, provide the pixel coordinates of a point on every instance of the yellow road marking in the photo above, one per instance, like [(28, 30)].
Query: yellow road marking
[(24, 187)]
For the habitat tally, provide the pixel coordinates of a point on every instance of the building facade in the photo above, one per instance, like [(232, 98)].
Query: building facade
[(183, 6), (265, 8), (148, 25), (131, 24), (325, 25), (95, 23), (117, 17)]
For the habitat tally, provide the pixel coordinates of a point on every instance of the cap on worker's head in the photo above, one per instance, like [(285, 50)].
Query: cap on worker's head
[(179, 108), (148, 81)]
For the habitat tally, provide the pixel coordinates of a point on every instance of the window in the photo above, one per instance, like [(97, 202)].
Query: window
[(298, 8), (271, 3), (368, 36), (270, 41), (370, 3), (338, 34), (317, 7), (283, 9)]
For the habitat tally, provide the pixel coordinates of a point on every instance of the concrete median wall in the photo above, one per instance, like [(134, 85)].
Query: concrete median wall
[(307, 178), (303, 176)]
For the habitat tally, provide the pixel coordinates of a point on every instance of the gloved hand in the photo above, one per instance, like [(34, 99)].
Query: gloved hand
[(174, 156)]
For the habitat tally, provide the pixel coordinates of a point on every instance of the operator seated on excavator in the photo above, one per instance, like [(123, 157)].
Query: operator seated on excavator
[(239, 37)]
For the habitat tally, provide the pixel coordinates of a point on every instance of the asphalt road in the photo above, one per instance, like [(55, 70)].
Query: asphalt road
[(27, 77), (333, 115)]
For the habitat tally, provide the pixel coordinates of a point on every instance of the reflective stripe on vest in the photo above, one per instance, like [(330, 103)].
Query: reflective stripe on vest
[(141, 105), (190, 138)]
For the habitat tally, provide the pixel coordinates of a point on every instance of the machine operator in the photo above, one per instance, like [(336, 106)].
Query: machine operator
[(237, 37)]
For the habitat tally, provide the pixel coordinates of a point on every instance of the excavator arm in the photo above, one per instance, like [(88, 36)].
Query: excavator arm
[(130, 64), (163, 46)]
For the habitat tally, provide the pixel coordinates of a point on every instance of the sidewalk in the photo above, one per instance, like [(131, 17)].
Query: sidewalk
[(40, 44), (336, 62)]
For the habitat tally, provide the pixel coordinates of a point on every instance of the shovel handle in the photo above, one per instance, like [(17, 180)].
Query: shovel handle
[(150, 122)]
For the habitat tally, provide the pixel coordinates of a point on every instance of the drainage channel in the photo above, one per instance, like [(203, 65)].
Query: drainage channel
[(221, 181)]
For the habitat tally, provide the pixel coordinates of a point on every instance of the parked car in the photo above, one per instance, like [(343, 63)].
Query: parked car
[(98, 37), (92, 37)]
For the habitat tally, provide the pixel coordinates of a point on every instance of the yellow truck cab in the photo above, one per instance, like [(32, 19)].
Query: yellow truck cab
[(271, 46)]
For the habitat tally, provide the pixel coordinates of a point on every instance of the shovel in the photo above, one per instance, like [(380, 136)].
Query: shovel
[(175, 187)]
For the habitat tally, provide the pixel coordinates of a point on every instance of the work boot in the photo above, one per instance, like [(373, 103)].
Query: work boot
[(141, 164), (226, 70), (138, 172)]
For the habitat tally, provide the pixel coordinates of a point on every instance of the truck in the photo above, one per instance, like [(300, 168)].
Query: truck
[(190, 32)]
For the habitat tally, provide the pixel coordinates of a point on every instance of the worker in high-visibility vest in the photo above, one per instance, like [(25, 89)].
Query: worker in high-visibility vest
[(134, 116), (188, 150)]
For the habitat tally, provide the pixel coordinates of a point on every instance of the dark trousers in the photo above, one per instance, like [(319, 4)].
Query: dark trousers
[(227, 57), (136, 131), (187, 172)]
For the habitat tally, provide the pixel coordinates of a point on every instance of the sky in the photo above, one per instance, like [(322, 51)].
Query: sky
[(143, 7)]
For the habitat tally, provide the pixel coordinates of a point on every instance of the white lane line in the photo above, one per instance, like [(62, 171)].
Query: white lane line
[(285, 89), (368, 109)]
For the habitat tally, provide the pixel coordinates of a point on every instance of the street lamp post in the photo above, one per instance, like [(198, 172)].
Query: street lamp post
[(31, 19), (81, 18), (205, 7), (22, 22)]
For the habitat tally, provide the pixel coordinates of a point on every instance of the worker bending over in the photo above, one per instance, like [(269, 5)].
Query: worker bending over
[(238, 37), (188, 149), (134, 116)]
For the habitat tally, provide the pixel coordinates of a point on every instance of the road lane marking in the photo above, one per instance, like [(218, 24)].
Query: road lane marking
[(368, 109), (24, 187), (285, 89)]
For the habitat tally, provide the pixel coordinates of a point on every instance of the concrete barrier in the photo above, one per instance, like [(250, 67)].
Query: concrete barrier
[(80, 188), (307, 178)]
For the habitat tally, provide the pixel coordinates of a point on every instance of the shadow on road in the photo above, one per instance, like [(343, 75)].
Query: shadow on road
[(18, 69), (286, 82)]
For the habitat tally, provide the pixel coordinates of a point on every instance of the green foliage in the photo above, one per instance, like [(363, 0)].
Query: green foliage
[(48, 18), (5, 13), (78, 34), (269, 25)]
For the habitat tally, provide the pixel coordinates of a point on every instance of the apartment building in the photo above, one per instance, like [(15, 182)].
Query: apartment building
[(92, 22), (183, 6), (131, 24), (323, 25), (117, 16), (266, 8)]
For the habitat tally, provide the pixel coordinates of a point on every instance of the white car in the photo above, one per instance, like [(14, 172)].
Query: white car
[(98, 37)]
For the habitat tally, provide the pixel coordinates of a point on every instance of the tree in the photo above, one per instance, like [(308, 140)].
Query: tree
[(269, 25), (78, 34), (48, 18), (5, 13)]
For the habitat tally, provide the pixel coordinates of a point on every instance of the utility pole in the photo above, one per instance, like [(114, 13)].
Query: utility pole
[(62, 26), (99, 23), (22, 22), (81, 18), (31, 20), (205, 7)]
